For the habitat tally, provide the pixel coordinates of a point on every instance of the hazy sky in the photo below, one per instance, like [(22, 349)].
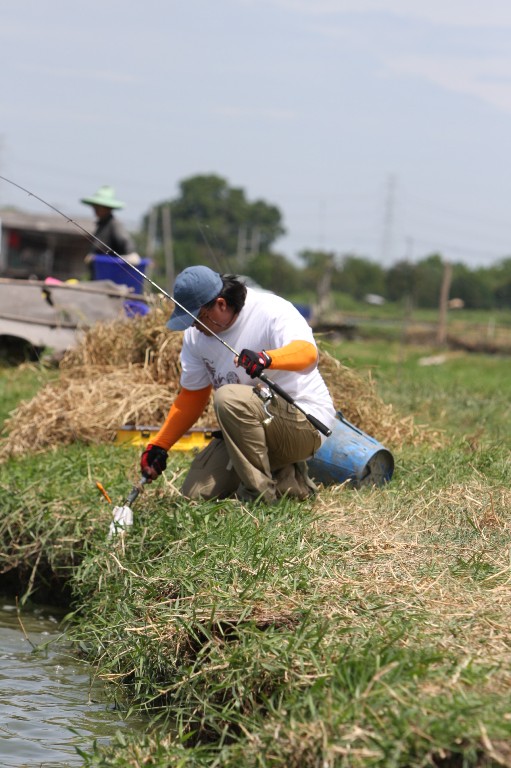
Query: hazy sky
[(376, 126)]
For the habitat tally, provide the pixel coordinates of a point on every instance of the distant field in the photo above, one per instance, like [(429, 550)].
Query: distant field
[(461, 392), (346, 305), (396, 321)]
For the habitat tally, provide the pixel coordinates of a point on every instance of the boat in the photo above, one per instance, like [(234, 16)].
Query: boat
[(51, 314)]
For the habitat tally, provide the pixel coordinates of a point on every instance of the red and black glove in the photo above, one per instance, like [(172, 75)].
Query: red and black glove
[(254, 362), (153, 461)]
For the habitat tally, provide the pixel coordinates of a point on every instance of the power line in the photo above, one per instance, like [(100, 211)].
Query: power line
[(465, 215), (440, 247)]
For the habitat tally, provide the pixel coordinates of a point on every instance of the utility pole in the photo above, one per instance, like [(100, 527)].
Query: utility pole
[(151, 233), (255, 240), (444, 304), (324, 289), (1, 163), (241, 249), (168, 251)]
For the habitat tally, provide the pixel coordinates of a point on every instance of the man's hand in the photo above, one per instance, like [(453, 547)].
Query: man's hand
[(253, 362), (153, 461)]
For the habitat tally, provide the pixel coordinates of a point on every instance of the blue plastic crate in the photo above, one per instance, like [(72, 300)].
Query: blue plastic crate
[(114, 269)]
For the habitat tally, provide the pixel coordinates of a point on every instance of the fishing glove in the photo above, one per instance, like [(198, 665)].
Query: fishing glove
[(254, 362), (154, 458)]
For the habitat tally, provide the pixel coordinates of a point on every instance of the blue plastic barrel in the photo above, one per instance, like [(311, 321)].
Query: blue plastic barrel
[(114, 269), (350, 454)]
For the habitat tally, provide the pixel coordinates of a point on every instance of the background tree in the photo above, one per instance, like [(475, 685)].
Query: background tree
[(473, 286), (400, 282), (501, 278), (318, 274), (428, 279), (214, 224), (274, 272), (358, 276)]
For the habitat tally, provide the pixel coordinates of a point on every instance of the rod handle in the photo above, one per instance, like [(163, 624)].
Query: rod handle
[(287, 397), (319, 425)]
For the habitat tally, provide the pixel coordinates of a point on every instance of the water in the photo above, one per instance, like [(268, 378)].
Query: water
[(47, 703)]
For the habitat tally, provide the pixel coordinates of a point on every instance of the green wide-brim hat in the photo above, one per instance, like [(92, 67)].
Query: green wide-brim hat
[(105, 196)]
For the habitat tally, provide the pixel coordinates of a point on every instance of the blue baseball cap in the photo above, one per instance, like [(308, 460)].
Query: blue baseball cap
[(194, 287)]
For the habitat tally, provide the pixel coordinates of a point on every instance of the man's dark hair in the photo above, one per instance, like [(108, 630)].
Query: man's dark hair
[(233, 291)]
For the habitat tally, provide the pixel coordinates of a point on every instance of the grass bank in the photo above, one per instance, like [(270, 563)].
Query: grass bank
[(367, 628)]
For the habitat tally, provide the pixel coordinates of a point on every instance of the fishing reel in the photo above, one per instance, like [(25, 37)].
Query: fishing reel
[(266, 396)]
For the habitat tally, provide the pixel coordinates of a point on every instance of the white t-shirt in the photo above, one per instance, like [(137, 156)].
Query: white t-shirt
[(267, 322)]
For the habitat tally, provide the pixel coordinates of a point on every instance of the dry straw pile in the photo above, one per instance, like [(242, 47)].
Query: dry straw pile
[(127, 372)]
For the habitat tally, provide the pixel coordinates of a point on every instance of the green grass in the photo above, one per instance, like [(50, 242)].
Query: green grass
[(20, 383), (368, 628)]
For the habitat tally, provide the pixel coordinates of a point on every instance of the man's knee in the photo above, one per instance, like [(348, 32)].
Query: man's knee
[(211, 474), (294, 481), (191, 489)]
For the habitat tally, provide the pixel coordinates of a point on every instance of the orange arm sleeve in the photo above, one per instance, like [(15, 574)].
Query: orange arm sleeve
[(184, 412), (293, 357)]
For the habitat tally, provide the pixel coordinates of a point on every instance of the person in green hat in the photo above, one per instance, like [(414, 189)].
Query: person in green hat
[(110, 233)]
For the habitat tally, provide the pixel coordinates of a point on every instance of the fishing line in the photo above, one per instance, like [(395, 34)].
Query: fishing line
[(90, 237), (212, 253), (110, 252)]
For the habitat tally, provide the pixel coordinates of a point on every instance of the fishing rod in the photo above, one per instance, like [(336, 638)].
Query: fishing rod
[(110, 252), (211, 252)]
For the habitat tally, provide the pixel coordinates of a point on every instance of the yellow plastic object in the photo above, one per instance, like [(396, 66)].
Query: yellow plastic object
[(194, 440)]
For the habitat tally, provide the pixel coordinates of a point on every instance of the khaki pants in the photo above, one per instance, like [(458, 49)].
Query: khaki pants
[(254, 460)]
